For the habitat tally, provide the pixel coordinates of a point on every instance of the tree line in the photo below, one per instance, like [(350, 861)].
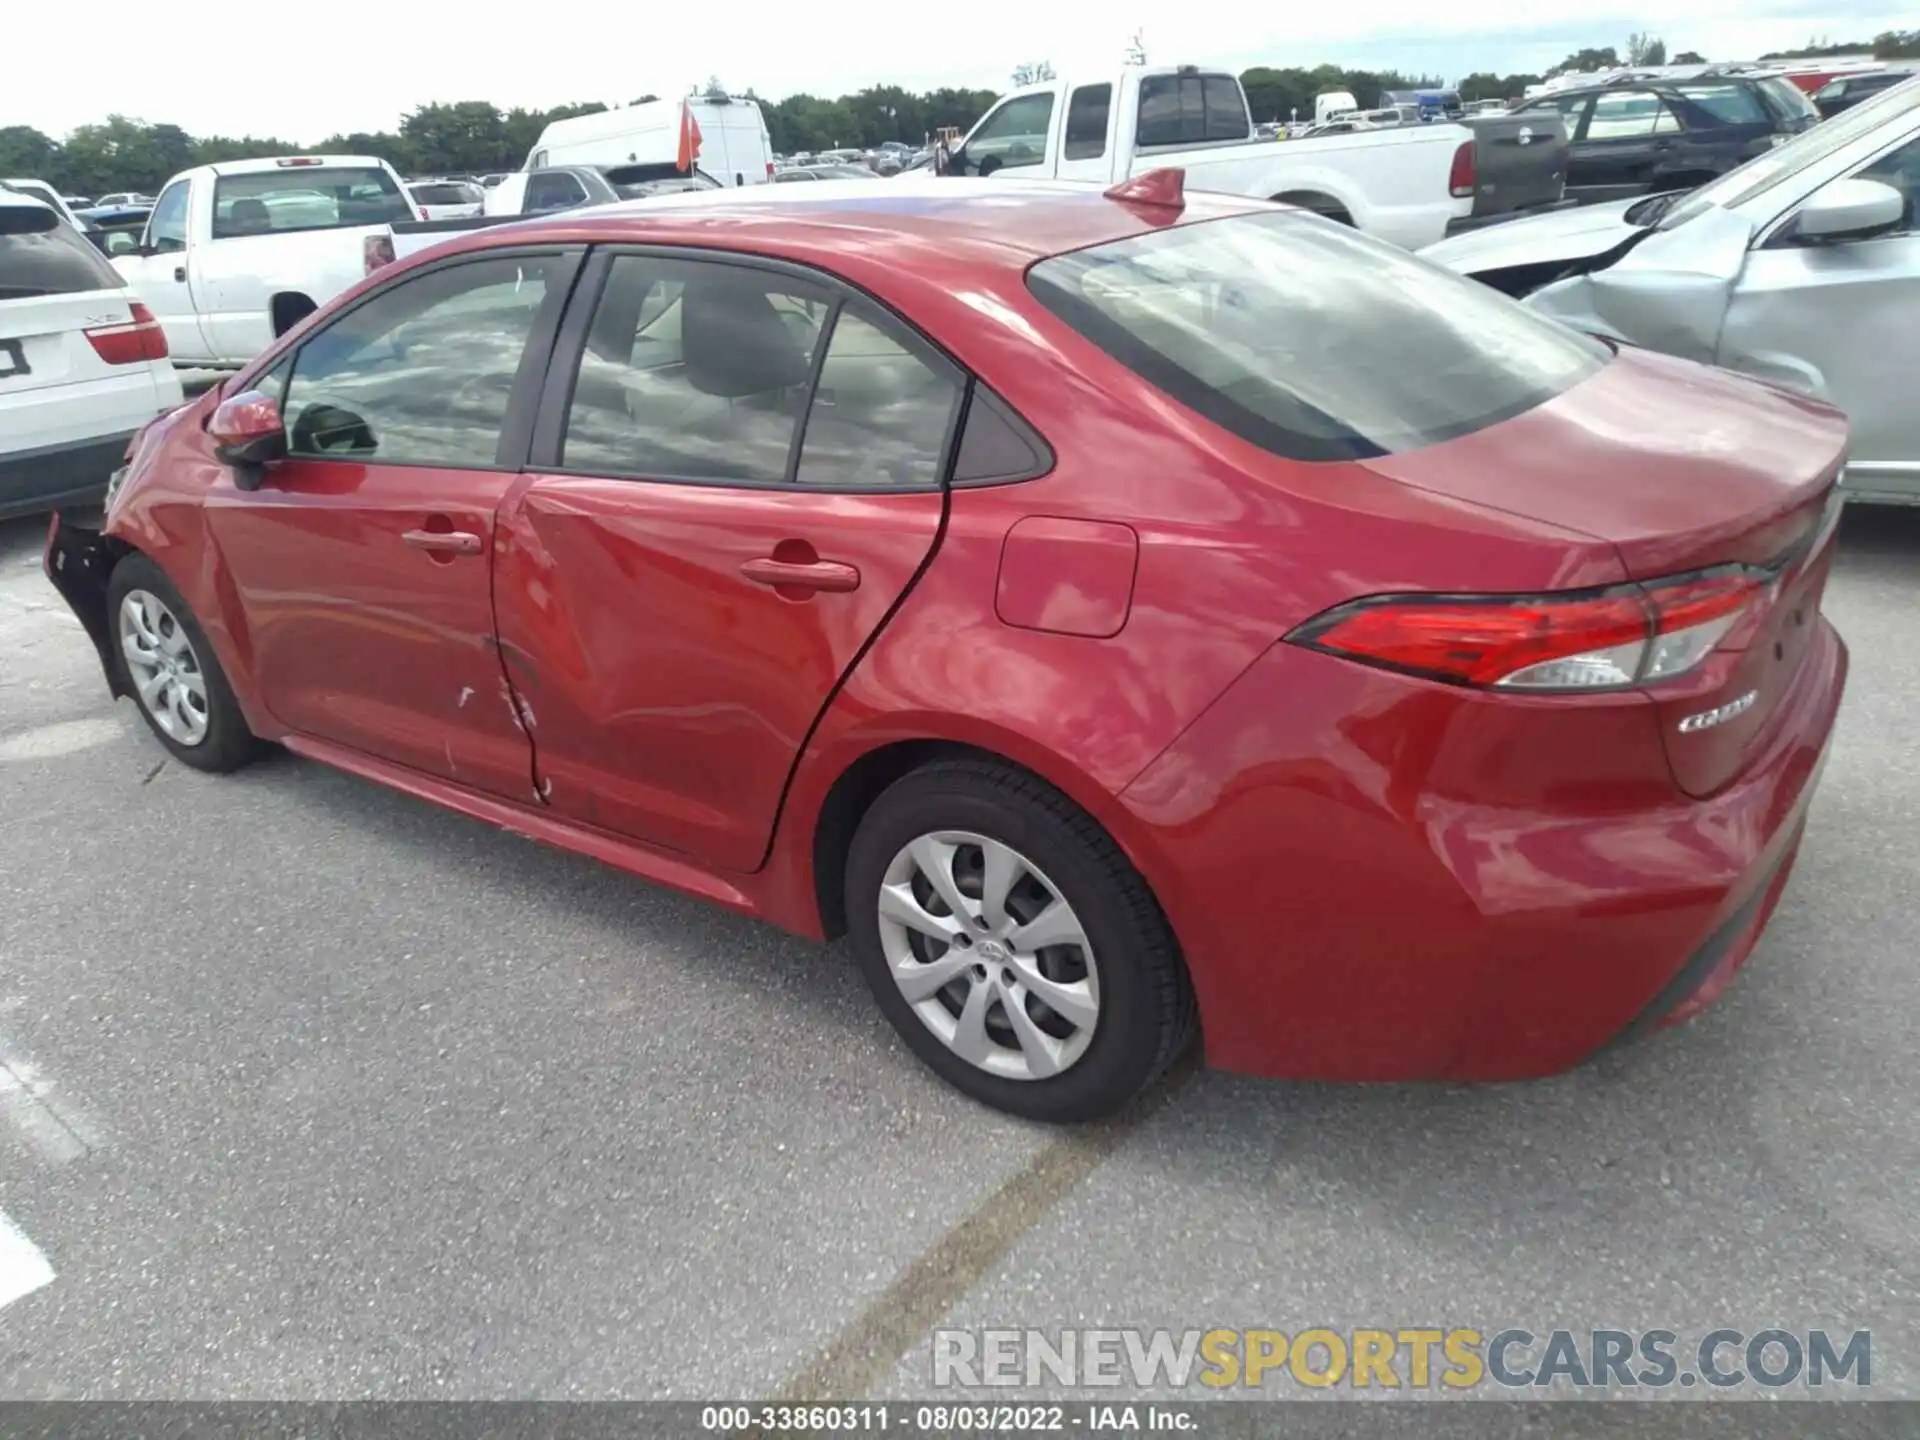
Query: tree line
[(477, 137)]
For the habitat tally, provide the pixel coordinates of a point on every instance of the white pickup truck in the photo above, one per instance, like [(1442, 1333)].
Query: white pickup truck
[(235, 254), (1410, 184)]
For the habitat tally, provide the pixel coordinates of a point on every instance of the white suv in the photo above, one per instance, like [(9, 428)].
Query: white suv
[(83, 365)]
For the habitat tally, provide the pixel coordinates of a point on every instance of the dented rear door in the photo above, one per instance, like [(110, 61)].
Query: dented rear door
[(688, 574)]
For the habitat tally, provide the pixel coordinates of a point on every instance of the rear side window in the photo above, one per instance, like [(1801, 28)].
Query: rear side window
[(306, 197), (1786, 100), (709, 372), (881, 409), (1630, 116), (1087, 122), (1729, 104), (693, 371), (40, 254), (1312, 340), (1190, 110)]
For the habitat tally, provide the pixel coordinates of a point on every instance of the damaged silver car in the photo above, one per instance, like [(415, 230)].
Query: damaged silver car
[(1801, 267)]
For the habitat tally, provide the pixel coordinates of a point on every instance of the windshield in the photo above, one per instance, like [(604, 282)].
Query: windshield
[(1768, 169), (306, 198), (1310, 339)]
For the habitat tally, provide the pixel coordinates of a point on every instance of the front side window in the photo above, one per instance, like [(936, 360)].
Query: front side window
[(306, 197), (420, 374), (167, 226), (1901, 170), (1015, 134), (1310, 339), (1630, 116)]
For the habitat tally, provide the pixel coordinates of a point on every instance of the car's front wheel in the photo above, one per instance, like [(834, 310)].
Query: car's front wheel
[(1012, 945), (176, 680)]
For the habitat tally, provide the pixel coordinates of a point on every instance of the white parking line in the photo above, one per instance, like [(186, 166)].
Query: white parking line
[(23, 1269)]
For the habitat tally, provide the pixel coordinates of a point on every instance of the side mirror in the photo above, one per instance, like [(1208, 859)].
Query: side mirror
[(1849, 210), (145, 251), (249, 435)]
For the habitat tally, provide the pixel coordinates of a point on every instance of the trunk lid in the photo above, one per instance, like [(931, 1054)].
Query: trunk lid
[(43, 341), (1683, 468), (1520, 161)]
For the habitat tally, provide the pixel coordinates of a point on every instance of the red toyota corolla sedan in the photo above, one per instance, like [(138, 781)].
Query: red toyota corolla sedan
[(1124, 614)]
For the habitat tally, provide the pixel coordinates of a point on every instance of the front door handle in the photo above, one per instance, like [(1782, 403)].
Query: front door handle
[(444, 542), (802, 575), (180, 273)]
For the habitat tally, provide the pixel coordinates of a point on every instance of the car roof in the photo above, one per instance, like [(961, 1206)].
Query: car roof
[(989, 222)]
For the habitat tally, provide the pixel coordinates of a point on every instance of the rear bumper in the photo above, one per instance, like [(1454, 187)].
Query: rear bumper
[(1461, 224), (67, 474), (1375, 878)]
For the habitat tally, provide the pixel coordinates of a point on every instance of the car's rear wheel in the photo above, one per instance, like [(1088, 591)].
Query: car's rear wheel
[(1012, 945), (176, 680)]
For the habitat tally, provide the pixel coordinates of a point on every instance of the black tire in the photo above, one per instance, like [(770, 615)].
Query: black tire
[(228, 743), (1146, 1008)]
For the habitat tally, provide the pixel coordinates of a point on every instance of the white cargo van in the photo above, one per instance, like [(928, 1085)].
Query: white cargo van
[(734, 146)]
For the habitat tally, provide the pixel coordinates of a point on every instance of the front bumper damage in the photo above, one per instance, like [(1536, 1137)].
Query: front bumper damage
[(78, 562)]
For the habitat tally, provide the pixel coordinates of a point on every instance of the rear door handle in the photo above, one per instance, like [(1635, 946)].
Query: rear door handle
[(802, 575), (445, 542)]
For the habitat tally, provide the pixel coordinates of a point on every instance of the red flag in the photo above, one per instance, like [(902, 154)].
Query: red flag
[(689, 138)]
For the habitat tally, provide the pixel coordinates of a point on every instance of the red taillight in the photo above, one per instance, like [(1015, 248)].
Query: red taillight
[(375, 251), (139, 338), (1586, 641), (769, 169), (1463, 178)]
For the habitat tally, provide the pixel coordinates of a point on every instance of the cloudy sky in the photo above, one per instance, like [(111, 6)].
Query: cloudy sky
[(308, 71)]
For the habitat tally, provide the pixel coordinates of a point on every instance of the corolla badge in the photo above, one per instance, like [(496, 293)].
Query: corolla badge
[(1720, 714)]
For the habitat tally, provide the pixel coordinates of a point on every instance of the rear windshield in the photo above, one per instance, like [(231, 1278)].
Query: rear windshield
[(444, 194), (40, 254), (1311, 340), (305, 198), (1190, 110)]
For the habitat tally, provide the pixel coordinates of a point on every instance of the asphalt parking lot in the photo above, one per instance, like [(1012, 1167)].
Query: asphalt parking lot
[(310, 1090)]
